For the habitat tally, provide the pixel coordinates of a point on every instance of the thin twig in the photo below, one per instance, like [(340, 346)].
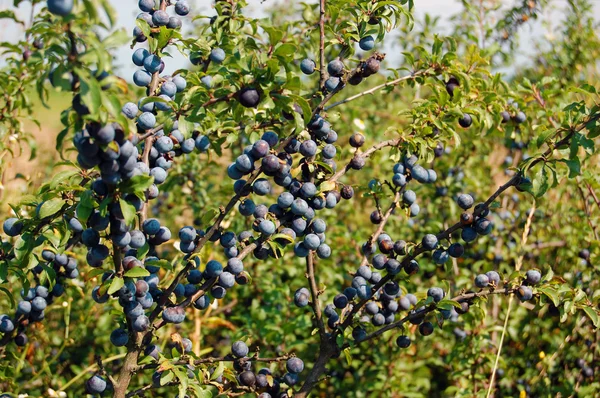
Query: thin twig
[(322, 67), (315, 303), (593, 193), (586, 210), (379, 87)]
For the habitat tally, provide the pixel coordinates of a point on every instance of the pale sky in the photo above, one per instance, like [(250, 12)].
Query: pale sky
[(128, 9)]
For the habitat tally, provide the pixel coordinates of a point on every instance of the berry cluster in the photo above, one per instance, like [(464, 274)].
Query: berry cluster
[(385, 297), (155, 18), (523, 292), (409, 170), (36, 299)]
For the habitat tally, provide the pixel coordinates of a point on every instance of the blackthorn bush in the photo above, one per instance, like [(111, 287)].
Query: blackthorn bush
[(142, 270)]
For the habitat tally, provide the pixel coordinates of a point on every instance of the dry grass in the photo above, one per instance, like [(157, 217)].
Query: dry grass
[(21, 174)]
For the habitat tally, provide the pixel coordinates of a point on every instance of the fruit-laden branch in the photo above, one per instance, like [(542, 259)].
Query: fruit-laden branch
[(384, 220), (366, 154), (446, 234), (424, 311), (389, 143), (201, 242), (202, 361), (212, 360), (135, 346), (358, 71), (329, 351), (419, 249)]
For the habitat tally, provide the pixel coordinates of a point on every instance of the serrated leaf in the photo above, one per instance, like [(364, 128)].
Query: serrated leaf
[(50, 207), (166, 377), (142, 251), (94, 272), (9, 295), (448, 304), (285, 50), (205, 394), (593, 315), (85, 207), (551, 293), (305, 106), (218, 372), (574, 166), (540, 182), (62, 176), (91, 94)]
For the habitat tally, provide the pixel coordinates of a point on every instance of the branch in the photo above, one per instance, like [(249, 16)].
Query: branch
[(322, 67), (593, 193), (418, 313), (200, 244), (211, 360), (367, 154), (379, 87), (383, 222), (140, 391), (343, 81), (314, 292), (586, 210), (419, 250)]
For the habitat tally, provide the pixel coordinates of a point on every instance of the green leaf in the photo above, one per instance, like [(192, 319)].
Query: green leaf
[(166, 377), (593, 315), (142, 251), (137, 272), (143, 25), (160, 263), (283, 237), (285, 50), (9, 295), (6, 14), (62, 176), (448, 304), (137, 184), (50, 207), (85, 207), (551, 293), (204, 394), (327, 186), (91, 94), (218, 371), (574, 166), (304, 105), (128, 211), (116, 284), (540, 183), (208, 216)]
